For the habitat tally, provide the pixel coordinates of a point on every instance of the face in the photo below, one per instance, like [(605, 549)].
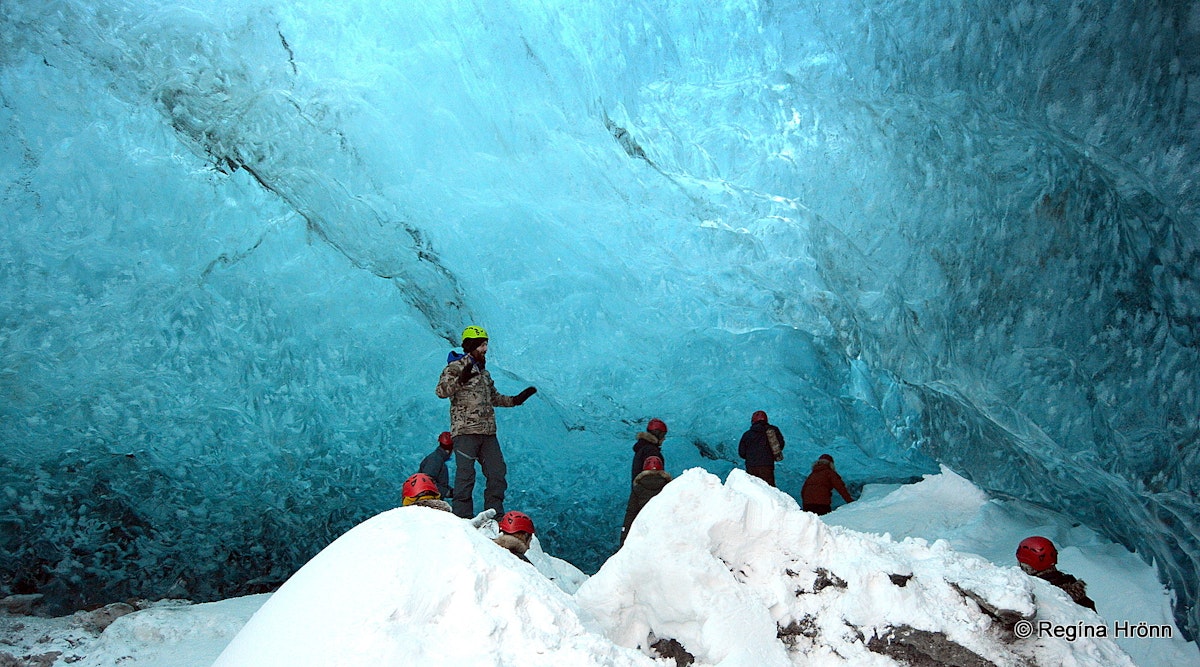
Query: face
[(481, 351)]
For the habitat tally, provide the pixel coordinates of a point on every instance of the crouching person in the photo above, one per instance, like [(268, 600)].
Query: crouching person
[(516, 533), (420, 489), (434, 464), (646, 485), (817, 492), (1038, 558)]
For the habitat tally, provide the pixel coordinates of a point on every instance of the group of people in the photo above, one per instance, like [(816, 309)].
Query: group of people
[(472, 437), (762, 446), (466, 382), (515, 528)]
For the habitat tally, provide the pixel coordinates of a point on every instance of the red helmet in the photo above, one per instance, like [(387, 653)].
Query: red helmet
[(656, 424), (446, 440), (652, 463), (758, 416), (418, 484), (516, 522), (1037, 552)]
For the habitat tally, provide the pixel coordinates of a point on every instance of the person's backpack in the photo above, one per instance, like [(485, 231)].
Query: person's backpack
[(775, 440)]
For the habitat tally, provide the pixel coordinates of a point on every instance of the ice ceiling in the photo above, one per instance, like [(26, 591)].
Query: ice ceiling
[(240, 239)]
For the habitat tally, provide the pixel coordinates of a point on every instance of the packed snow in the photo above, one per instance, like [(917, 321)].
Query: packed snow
[(729, 573)]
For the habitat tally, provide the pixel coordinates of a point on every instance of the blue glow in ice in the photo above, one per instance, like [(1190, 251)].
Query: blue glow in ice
[(241, 237)]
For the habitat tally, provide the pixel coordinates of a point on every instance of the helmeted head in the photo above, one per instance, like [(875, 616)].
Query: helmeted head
[(419, 487), (473, 337), (446, 441), (824, 461), (514, 522), (1037, 552), (657, 427), (758, 416), (652, 463)]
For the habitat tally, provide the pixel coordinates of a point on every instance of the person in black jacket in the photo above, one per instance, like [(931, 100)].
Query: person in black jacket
[(646, 485), (761, 446), (434, 464), (649, 443)]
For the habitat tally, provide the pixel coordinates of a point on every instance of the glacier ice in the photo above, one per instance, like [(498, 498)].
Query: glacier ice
[(241, 236)]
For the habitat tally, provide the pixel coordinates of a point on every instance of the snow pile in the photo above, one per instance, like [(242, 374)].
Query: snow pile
[(948, 507), (161, 630), (419, 586), (909, 510), (750, 579), (166, 633), (726, 574)]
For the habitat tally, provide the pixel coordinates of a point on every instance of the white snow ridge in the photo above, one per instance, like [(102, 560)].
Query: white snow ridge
[(731, 574)]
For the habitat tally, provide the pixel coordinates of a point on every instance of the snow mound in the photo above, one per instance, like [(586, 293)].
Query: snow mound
[(731, 574), (172, 633), (419, 586), (737, 574)]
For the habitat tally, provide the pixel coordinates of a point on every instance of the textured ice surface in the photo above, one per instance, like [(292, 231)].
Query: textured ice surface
[(239, 237)]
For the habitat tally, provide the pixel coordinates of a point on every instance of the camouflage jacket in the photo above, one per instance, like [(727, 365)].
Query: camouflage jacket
[(513, 544), (471, 404), (1074, 587)]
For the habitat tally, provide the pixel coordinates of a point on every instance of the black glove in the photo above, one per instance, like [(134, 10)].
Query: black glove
[(467, 373), (524, 395)]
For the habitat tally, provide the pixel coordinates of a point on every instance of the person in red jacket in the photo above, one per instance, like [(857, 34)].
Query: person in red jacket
[(817, 492)]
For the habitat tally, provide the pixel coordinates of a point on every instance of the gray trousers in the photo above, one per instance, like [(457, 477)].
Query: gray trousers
[(469, 448)]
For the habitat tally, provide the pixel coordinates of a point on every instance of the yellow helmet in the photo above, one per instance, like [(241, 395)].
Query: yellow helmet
[(474, 332)]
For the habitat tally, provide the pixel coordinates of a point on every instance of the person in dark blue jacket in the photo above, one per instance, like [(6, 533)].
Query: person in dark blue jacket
[(761, 446), (434, 465)]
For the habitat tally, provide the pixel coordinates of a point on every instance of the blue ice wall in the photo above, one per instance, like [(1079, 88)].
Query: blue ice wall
[(241, 238)]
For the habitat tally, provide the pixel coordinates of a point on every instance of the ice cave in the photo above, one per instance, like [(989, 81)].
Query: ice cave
[(241, 238)]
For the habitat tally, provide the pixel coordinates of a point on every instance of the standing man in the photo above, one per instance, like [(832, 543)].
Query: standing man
[(761, 446), (473, 397), (434, 465)]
